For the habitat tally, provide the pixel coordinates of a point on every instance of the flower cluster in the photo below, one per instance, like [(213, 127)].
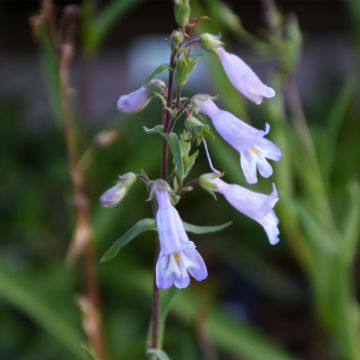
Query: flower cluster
[(178, 257)]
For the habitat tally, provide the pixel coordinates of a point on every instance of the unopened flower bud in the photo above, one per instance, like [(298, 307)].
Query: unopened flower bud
[(154, 86), (176, 38), (115, 194), (184, 67), (138, 99), (210, 42), (206, 181), (182, 12)]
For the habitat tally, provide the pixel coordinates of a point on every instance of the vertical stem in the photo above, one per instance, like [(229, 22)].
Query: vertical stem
[(166, 121), (92, 317), (178, 96)]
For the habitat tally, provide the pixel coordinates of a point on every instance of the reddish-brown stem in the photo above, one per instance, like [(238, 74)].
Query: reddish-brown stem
[(166, 121), (167, 115), (91, 308)]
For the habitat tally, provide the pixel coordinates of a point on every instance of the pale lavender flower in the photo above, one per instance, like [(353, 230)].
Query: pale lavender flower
[(116, 193), (243, 77), (257, 206), (138, 99), (250, 142), (239, 73), (178, 255)]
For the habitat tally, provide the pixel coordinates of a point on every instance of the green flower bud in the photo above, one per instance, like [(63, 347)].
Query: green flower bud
[(155, 86), (206, 182), (210, 42), (176, 38), (197, 100), (182, 12), (184, 67)]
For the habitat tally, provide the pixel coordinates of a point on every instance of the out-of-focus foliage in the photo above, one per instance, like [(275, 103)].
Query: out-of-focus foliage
[(295, 300)]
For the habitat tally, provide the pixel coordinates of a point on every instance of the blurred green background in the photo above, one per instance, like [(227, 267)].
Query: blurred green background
[(298, 300)]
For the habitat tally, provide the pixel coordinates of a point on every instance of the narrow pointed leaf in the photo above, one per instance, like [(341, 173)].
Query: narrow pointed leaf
[(158, 129), (158, 354), (197, 229), (17, 291), (350, 230), (148, 224), (175, 148), (140, 227), (161, 68), (105, 20), (89, 353), (336, 116), (167, 299)]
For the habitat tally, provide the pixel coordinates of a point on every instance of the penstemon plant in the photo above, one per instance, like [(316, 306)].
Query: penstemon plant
[(177, 258)]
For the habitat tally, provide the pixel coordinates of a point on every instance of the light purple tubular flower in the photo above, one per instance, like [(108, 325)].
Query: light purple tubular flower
[(178, 255), (255, 205), (116, 193), (138, 99), (250, 142), (113, 196), (243, 78)]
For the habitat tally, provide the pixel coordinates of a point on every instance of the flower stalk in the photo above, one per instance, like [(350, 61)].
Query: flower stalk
[(163, 174), (89, 303)]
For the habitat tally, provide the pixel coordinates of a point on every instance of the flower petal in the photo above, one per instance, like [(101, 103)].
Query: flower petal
[(134, 101), (195, 264), (270, 224), (255, 205), (248, 165), (265, 169), (182, 280), (243, 77), (269, 149)]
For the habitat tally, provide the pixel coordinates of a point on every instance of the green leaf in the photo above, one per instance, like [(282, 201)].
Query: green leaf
[(166, 300), (350, 230), (293, 43), (198, 229), (159, 129), (336, 116), (157, 72), (184, 67), (167, 297), (140, 227), (51, 72), (148, 224), (89, 353), (189, 162), (321, 238), (174, 144), (105, 20), (230, 333), (159, 354), (18, 292)]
